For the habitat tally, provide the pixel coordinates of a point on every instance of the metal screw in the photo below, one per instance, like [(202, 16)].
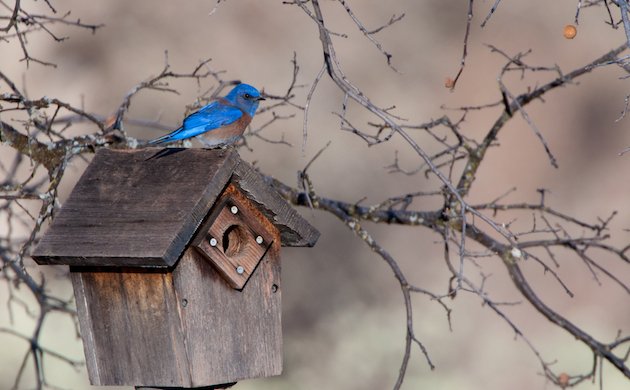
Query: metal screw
[(259, 240), (213, 241), (184, 302), (234, 209), (240, 270)]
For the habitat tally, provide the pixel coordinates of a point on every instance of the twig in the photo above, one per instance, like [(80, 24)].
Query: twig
[(492, 10), (307, 105), (369, 34), (462, 62)]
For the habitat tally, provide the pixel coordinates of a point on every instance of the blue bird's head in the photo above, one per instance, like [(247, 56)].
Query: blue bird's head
[(245, 97)]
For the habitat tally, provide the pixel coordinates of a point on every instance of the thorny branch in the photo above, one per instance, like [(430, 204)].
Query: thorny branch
[(35, 131)]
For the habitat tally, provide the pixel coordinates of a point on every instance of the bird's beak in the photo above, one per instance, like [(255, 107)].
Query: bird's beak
[(260, 98)]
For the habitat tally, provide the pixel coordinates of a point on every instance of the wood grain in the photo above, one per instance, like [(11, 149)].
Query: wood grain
[(230, 334), (186, 328), (136, 208), (131, 328)]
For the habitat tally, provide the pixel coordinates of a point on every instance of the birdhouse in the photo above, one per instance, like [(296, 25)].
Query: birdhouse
[(174, 257)]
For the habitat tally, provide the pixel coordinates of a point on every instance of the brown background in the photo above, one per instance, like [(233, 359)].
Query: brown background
[(343, 314)]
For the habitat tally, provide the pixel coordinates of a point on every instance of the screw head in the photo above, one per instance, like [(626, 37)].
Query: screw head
[(234, 209), (259, 240), (213, 241), (240, 270)]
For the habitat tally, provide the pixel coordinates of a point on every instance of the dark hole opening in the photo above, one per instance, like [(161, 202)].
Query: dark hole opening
[(234, 240)]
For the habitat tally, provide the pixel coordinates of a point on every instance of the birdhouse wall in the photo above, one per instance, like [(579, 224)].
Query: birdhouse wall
[(130, 327), (231, 334), (185, 328)]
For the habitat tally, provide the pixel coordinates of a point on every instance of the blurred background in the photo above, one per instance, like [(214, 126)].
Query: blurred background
[(343, 315)]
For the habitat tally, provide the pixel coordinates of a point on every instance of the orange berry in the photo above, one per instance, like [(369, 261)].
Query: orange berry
[(569, 31), (449, 83), (563, 380)]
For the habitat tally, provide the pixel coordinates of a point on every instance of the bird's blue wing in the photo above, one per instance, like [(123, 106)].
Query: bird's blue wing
[(212, 116)]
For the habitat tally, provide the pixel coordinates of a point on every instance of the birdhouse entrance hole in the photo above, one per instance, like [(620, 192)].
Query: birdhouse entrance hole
[(233, 240)]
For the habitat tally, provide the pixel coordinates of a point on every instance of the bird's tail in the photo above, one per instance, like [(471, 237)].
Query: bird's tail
[(172, 136)]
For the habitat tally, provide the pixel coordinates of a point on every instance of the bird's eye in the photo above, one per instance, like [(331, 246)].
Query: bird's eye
[(247, 96)]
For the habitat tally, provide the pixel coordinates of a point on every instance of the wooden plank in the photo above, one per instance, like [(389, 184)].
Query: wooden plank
[(294, 230), (131, 329), (230, 334), (136, 208)]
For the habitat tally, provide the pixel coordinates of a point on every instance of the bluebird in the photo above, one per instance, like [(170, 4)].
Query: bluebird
[(220, 123)]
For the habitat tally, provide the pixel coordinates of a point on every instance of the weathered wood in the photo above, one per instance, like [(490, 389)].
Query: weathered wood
[(294, 230), (188, 328), (230, 334), (136, 208), (131, 328), (153, 310), (230, 243)]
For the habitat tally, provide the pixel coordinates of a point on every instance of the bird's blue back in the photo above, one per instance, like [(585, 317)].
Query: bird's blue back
[(241, 100)]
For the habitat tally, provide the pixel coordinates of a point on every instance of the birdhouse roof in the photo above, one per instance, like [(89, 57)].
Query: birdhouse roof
[(141, 208)]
